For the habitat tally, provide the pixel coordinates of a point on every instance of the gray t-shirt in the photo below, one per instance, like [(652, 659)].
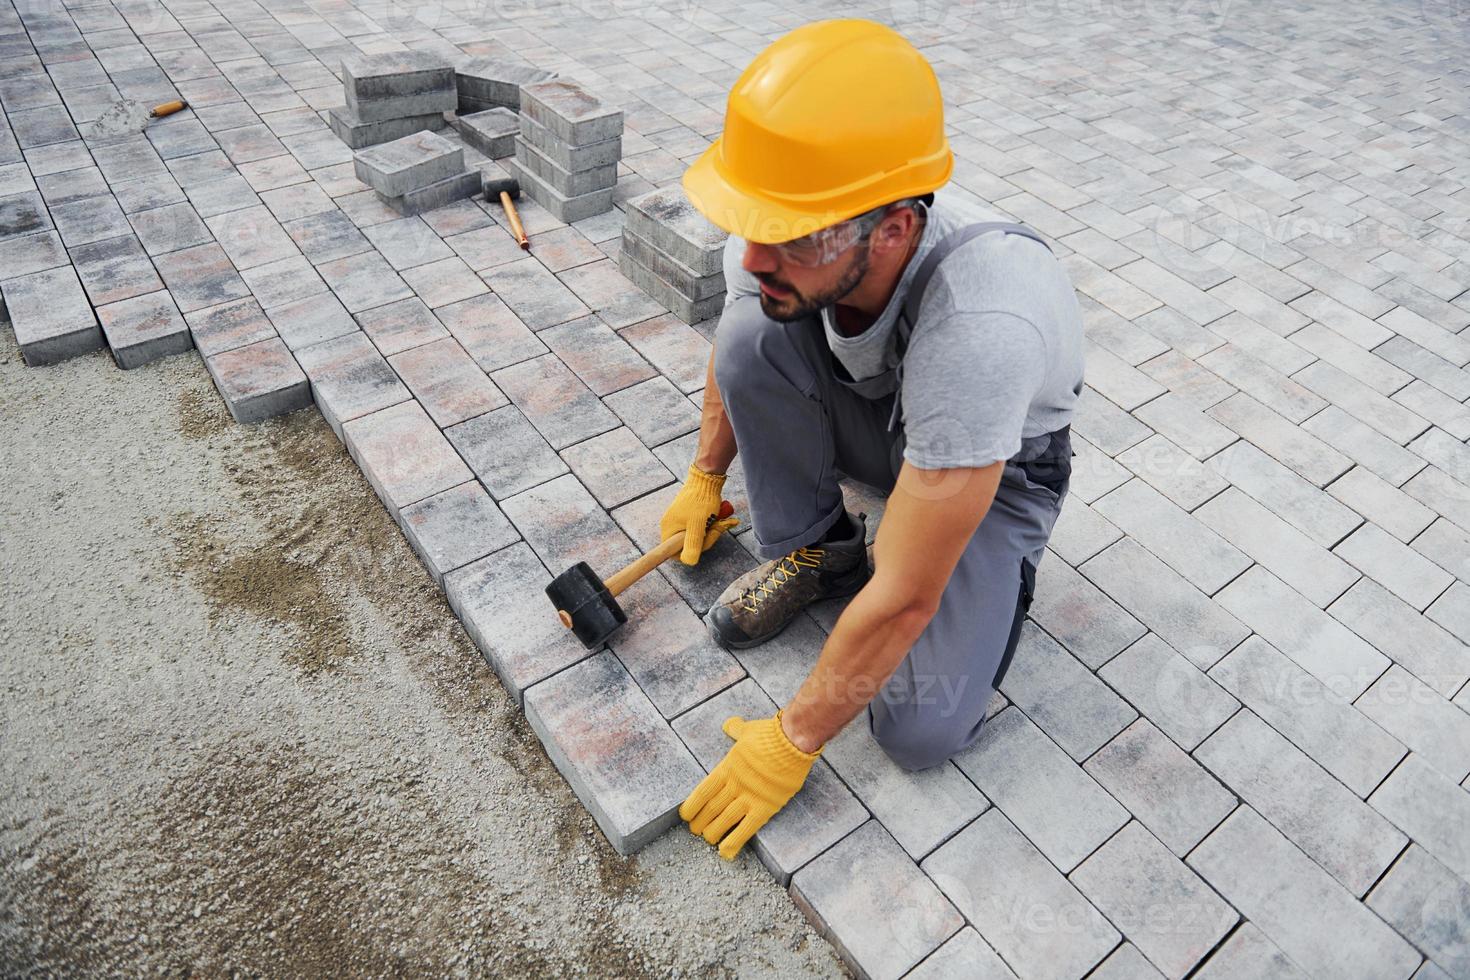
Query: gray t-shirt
[(996, 355)]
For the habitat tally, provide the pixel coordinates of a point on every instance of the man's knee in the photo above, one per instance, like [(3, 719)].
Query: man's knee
[(919, 740)]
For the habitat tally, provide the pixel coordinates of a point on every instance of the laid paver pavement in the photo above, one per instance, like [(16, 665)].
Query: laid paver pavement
[(1242, 692)]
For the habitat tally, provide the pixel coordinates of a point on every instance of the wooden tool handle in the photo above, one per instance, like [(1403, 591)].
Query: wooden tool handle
[(666, 550), (167, 109), (515, 221)]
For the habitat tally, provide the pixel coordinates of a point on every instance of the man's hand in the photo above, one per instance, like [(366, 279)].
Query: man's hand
[(761, 772), (695, 511)]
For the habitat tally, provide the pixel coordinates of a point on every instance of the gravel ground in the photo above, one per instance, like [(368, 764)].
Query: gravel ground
[(243, 733)]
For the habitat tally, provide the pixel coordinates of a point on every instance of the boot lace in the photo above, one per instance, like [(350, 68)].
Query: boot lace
[(784, 570)]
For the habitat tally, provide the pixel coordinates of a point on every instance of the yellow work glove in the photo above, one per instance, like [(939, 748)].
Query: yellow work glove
[(760, 773), (695, 511)]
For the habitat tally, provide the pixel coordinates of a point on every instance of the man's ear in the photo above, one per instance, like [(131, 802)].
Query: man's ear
[(894, 230)]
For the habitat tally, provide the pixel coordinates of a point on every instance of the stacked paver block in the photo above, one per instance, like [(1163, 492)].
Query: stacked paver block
[(566, 156), (487, 83), (416, 173), (390, 95), (491, 131), (674, 254)]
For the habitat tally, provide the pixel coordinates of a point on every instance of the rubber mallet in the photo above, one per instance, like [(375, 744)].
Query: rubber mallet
[(588, 606), (508, 188)]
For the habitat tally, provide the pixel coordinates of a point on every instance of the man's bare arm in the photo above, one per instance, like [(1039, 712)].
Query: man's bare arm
[(716, 436), (930, 517)]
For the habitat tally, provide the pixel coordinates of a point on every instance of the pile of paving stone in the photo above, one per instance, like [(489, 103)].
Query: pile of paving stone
[(417, 173), (391, 95), (672, 253), (489, 92), (567, 151)]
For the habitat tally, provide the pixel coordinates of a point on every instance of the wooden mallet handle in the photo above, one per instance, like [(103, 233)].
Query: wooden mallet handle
[(515, 221), (167, 109), (620, 581)]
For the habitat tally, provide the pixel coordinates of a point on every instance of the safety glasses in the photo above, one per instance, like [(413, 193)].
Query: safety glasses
[(825, 245)]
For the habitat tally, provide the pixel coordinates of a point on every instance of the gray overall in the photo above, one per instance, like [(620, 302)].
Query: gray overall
[(799, 419)]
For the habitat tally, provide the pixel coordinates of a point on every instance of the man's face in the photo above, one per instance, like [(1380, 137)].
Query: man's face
[(790, 292)]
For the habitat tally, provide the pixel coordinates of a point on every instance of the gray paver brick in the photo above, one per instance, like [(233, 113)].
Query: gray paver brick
[(1429, 906), (453, 528), (36, 252), (1413, 641), (113, 269), (403, 455), (563, 208), (604, 289), (455, 188), (1393, 564), (654, 409), (501, 601), (598, 356), (1382, 503), (1422, 719), (1160, 905), (143, 329), (1171, 471), (534, 294), (169, 228), (573, 114), (616, 467), (327, 236), (357, 133), (1064, 698), (867, 870), (229, 325), (1183, 617), (819, 816), (392, 84), (559, 405), (1047, 795), (965, 956), (283, 281), (1019, 903), (621, 759), (401, 326), (259, 381), (250, 236), (495, 80), (681, 304), (1299, 907), (1285, 494), (678, 351), (200, 277), (363, 281), (1205, 559), (505, 451), (1318, 814), (50, 315), (1431, 809), (1161, 786), (313, 320), (492, 131), (561, 521), (566, 155), (449, 385), (489, 332), (350, 379), (1297, 560), (1170, 691), (1248, 953)]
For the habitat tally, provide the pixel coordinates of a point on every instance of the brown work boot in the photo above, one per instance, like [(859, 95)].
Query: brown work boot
[(764, 601)]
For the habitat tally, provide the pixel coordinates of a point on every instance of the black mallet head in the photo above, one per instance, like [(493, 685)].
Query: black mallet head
[(509, 185), (585, 605)]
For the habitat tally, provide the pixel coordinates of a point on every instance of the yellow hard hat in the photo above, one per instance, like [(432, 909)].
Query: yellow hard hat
[(833, 119)]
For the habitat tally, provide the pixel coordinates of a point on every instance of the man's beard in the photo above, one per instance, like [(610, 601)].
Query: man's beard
[(797, 306)]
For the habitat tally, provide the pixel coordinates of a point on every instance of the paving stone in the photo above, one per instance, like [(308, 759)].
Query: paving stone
[(444, 379), (1430, 808), (457, 219), (688, 282), (296, 201), (114, 269), (506, 452), (1382, 503), (616, 467), (570, 112), (1173, 472), (1183, 617), (350, 379), (494, 80), (653, 409), (617, 301), (327, 236), (1169, 914), (143, 329), (1422, 719), (666, 220), (1429, 906), (567, 183), (571, 157), (401, 326), (214, 197), (682, 305), (1080, 532), (1063, 697), (1342, 834), (1283, 550), (453, 528), (455, 189), (1170, 691), (536, 296), (678, 351), (1363, 403), (1299, 907), (624, 763), (146, 193), (23, 214), (561, 521), (283, 281), (311, 321), (601, 358), (562, 207), (559, 405), (363, 281), (403, 455), (444, 282), (37, 252), (502, 602), (920, 809), (1248, 953), (259, 381), (1161, 786), (168, 229), (393, 84), (486, 247), (251, 237), (90, 219), (201, 277), (1335, 655), (1205, 559), (867, 870), (1435, 406), (1285, 494), (230, 325), (1049, 797), (50, 315), (490, 332), (1432, 654), (1018, 902), (358, 134), (492, 131), (965, 956), (1086, 621), (1395, 565), (1426, 365)]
